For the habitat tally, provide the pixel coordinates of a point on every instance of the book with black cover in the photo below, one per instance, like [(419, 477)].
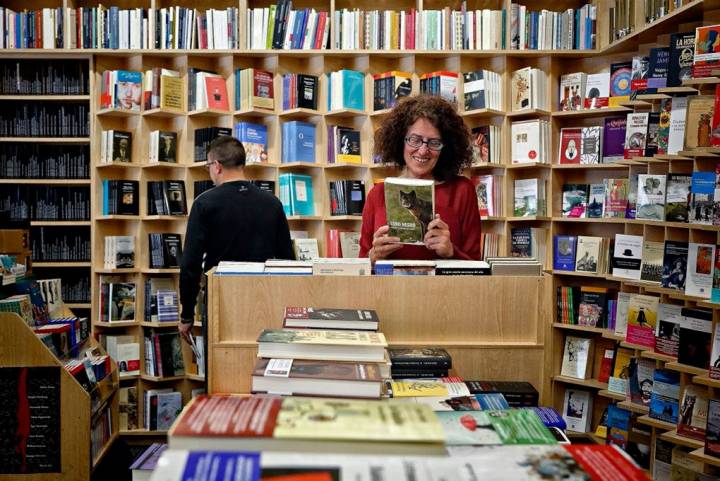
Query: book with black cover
[(682, 51), (172, 250), (517, 393), (675, 265), (174, 197), (695, 338), (417, 358), (307, 97)]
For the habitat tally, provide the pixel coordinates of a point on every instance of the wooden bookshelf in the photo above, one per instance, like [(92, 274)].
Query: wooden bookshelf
[(507, 344), (76, 411)]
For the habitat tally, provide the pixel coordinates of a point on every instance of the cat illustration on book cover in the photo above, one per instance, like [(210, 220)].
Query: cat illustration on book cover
[(420, 209)]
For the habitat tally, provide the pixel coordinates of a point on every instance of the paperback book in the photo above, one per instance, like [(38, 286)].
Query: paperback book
[(410, 207)]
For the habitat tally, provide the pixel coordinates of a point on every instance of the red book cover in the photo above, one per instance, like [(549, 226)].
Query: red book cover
[(263, 89), (706, 59), (570, 142), (606, 365), (217, 96), (228, 416), (333, 243), (605, 462)]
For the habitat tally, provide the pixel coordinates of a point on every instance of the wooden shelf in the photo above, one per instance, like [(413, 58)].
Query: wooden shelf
[(299, 114), (707, 152), (657, 356), (59, 223), (163, 165), (253, 112), (591, 383), (142, 432), (299, 165), (195, 377), (677, 90), (46, 181), (104, 450), (61, 264), (146, 377), (175, 270), (520, 114), (117, 217), (345, 113), (332, 218), (53, 98), (209, 113), (651, 97), (699, 455), (117, 113), (612, 395), (492, 218), (573, 327), (701, 81), (380, 113), (636, 408), (124, 270), (578, 274), (706, 381), (675, 438), (115, 324), (164, 113), (482, 113), (170, 218), (539, 218), (608, 111), (656, 423), (78, 305), (344, 165), (529, 165), (487, 165), (159, 324), (676, 366), (116, 164), (611, 166)]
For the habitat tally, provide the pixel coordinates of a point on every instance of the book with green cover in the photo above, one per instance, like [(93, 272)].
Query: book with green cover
[(516, 426), (410, 207)]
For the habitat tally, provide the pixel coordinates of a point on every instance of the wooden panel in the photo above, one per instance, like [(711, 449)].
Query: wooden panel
[(19, 347), (494, 327)]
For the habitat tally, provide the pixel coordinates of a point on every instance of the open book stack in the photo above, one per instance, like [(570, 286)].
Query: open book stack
[(323, 352)]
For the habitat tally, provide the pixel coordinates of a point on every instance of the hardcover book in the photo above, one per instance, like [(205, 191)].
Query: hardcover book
[(677, 199), (564, 253), (596, 201), (692, 419), (597, 90), (665, 396), (410, 207), (667, 335), (327, 318), (642, 320), (698, 124), (570, 144), (613, 145), (682, 51), (578, 352), (574, 197), (652, 261), (322, 345), (272, 423), (301, 377), (701, 258), (577, 410), (695, 340), (650, 197), (675, 265)]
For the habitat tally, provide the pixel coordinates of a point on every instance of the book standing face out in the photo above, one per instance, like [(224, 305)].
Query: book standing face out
[(410, 207)]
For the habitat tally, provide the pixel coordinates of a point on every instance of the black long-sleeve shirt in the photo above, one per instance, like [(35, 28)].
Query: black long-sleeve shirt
[(235, 221)]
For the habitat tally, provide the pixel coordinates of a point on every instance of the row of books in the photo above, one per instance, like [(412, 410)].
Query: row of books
[(60, 244), (44, 119), (43, 28), (44, 77), (42, 161), (280, 27), (119, 252), (347, 197), (147, 28), (571, 29), (46, 202)]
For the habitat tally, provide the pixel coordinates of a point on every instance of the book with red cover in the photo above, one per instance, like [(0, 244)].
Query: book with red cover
[(263, 94), (220, 416), (606, 365), (217, 96), (570, 145)]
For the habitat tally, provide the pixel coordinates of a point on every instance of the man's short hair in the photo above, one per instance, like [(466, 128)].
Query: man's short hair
[(228, 151)]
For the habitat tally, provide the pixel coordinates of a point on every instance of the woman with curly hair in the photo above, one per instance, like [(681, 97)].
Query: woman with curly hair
[(427, 139)]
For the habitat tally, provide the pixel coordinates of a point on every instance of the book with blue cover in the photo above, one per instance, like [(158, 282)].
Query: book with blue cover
[(702, 187), (346, 90), (254, 139), (492, 401), (564, 252), (298, 142), (665, 396), (296, 194)]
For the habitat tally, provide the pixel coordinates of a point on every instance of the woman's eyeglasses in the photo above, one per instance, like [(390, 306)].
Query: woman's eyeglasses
[(415, 142)]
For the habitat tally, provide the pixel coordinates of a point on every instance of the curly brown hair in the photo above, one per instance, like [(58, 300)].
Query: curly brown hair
[(456, 153)]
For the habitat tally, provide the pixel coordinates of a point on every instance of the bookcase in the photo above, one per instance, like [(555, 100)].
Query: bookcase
[(78, 413), (319, 62)]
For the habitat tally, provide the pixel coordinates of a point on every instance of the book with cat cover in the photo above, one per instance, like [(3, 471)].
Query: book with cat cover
[(410, 207)]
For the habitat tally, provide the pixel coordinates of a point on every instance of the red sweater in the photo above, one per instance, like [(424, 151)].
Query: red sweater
[(455, 201)]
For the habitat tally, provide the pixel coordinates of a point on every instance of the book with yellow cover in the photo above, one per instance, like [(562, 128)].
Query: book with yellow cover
[(297, 424), (171, 92), (412, 388), (323, 345)]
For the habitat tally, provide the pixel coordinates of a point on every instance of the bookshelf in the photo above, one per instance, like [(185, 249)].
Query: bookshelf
[(78, 412), (318, 62)]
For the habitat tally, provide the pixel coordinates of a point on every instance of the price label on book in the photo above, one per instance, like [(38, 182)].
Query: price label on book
[(278, 368)]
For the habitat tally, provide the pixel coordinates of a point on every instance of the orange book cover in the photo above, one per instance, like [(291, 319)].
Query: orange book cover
[(217, 95), (242, 416)]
